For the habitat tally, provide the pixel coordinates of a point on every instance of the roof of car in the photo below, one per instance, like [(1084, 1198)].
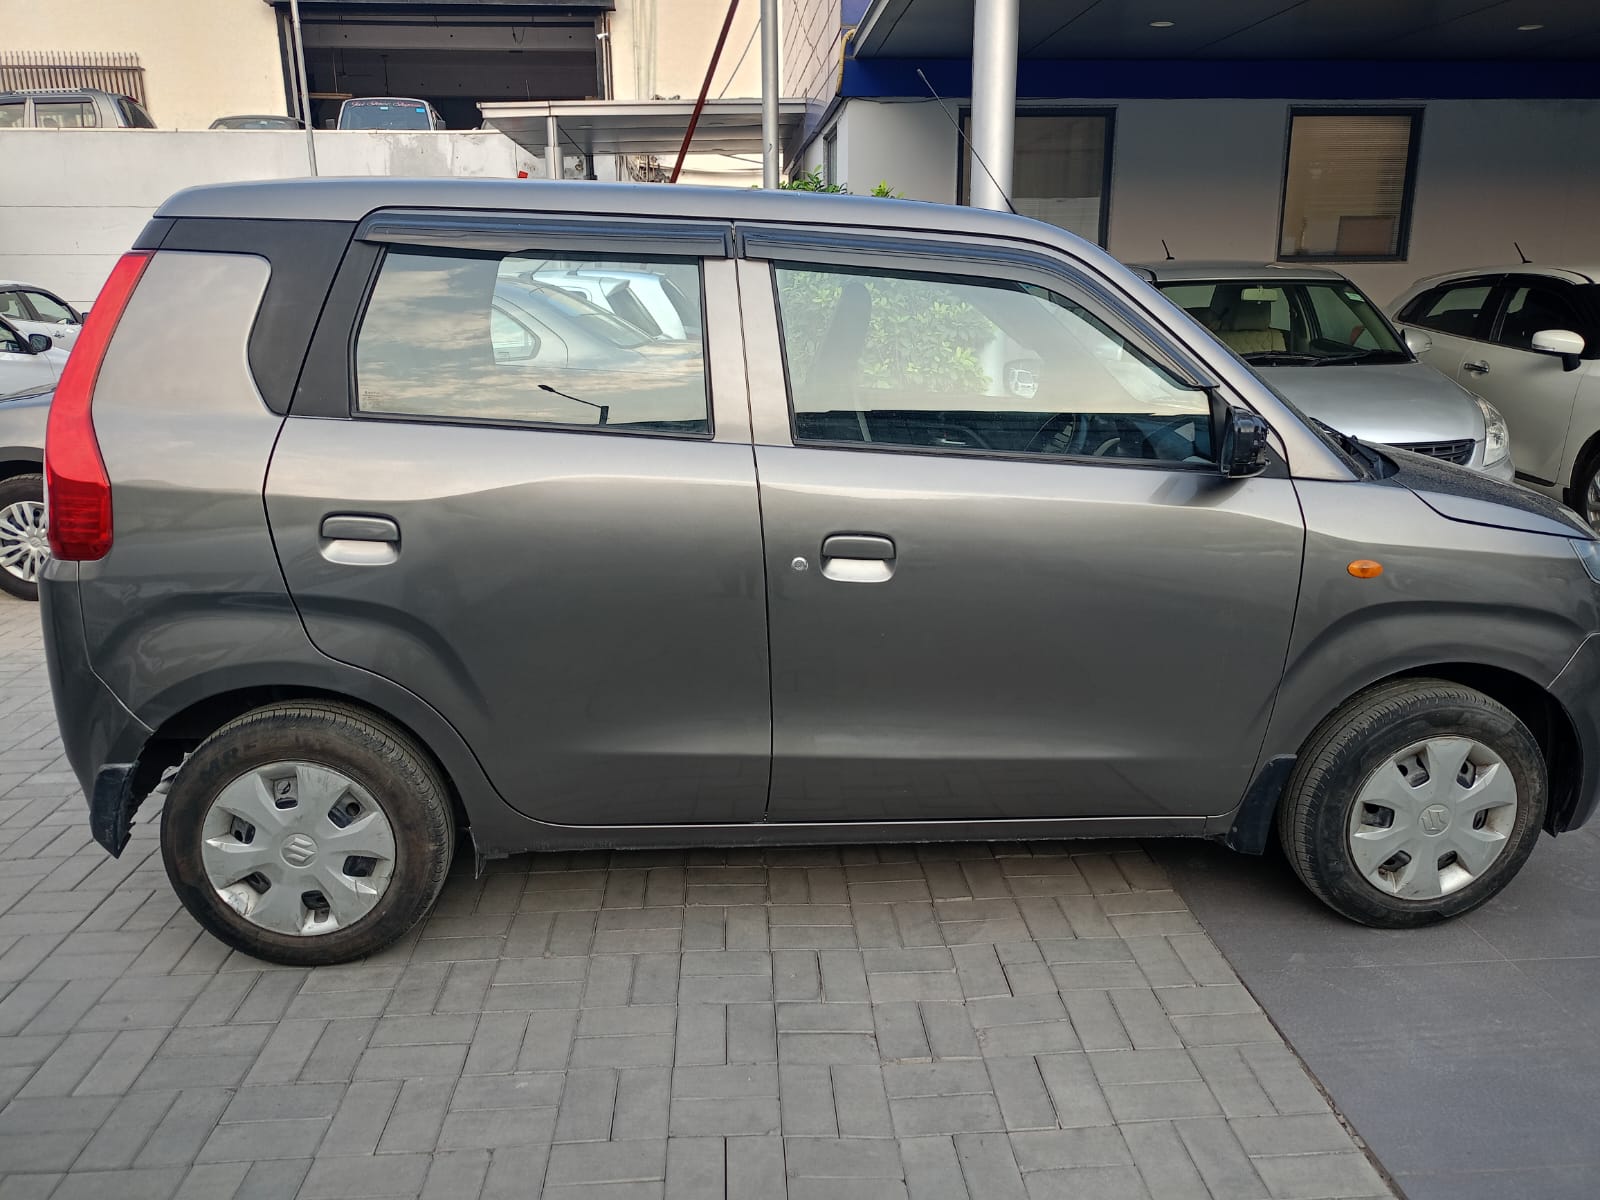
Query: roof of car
[(1231, 272), (1571, 272), (351, 199), (72, 91)]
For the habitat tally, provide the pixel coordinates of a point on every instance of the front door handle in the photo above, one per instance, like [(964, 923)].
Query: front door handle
[(355, 540), (1477, 368), (857, 558)]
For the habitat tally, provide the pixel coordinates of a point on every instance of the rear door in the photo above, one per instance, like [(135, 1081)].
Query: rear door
[(1456, 316), (21, 369), (559, 551), (1006, 578)]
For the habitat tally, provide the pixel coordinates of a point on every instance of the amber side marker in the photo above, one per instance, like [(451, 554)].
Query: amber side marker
[(1365, 568)]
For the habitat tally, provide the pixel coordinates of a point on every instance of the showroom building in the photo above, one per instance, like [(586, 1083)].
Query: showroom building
[(1395, 140)]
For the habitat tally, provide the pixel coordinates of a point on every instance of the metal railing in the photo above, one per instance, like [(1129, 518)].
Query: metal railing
[(110, 71)]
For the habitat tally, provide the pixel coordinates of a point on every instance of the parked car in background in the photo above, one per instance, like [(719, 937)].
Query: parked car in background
[(264, 121), (649, 301), (946, 526), (24, 545), (1314, 335), (31, 309), (388, 112), (1528, 338), (71, 108), (28, 361)]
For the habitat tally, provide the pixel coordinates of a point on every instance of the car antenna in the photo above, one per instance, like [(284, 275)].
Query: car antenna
[(605, 409), (1164, 249), (962, 134), (1521, 255)]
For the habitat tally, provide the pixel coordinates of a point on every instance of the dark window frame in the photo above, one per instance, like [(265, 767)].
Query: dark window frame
[(863, 258), (363, 306), (1507, 289), (964, 156), (1408, 189)]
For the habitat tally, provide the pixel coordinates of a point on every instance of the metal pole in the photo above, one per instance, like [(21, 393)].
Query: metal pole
[(994, 101), (552, 148), (771, 150), (305, 90), (705, 90)]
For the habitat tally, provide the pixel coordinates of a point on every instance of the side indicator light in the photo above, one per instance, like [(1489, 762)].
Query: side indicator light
[(1365, 568)]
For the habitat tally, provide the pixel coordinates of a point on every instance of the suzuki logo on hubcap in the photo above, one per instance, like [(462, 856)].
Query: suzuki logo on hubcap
[(298, 850), (1434, 819)]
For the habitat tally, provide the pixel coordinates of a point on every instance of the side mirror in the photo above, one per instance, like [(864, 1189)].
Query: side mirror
[(1243, 444), (1417, 342), (38, 343), (1561, 342)]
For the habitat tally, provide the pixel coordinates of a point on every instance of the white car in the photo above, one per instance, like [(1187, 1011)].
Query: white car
[(648, 301), (1527, 339), (28, 362), (32, 309)]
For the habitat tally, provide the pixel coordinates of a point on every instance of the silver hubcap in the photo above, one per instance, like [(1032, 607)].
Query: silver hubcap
[(297, 849), (24, 544), (1591, 501), (1433, 818)]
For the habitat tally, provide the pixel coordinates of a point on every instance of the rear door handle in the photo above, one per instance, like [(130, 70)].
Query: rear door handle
[(353, 540), (1477, 368), (857, 558)]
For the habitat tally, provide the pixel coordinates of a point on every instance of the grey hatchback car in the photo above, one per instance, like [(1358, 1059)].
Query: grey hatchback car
[(937, 524)]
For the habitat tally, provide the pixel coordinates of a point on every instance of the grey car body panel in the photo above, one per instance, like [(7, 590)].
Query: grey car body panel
[(1479, 500), (191, 602), (23, 418)]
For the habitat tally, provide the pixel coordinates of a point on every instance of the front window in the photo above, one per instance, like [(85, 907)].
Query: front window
[(1060, 169), (1279, 323), (894, 359), (1347, 185)]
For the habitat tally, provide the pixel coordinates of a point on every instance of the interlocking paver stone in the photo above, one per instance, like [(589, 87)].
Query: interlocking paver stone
[(951, 1022)]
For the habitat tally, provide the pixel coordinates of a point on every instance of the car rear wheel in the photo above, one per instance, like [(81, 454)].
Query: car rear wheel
[(1415, 802), (307, 833), (24, 547)]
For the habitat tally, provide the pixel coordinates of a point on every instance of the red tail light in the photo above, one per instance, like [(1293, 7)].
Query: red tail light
[(77, 489)]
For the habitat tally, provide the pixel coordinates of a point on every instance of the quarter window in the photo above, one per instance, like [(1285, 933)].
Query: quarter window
[(952, 364), (477, 337), (1347, 185), (1453, 310)]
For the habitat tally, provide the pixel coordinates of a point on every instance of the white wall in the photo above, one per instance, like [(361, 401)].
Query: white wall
[(75, 199), (1207, 175)]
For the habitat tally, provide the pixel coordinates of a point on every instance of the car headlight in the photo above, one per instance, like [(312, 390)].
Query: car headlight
[(1588, 552), (1496, 437)]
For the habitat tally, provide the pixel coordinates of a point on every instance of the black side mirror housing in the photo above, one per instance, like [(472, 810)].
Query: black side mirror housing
[(1243, 444), (40, 342)]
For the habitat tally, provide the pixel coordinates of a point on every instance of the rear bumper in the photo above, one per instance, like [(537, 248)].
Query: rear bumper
[(101, 738), (1577, 689)]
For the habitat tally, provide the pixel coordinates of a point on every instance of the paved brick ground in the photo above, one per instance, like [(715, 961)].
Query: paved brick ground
[(998, 1022)]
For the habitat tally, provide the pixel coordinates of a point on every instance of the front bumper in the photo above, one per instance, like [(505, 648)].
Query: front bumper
[(1577, 689), (102, 739)]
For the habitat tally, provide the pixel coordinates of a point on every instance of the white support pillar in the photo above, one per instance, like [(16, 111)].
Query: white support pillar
[(771, 84), (994, 101), (552, 147)]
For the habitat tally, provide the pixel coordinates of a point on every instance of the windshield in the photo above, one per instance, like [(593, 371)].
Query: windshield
[(384, 114), (1276, 323)]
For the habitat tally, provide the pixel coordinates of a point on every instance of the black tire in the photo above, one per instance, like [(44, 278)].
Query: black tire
[(1346, 750), (381, 759), (16, 490), (1582, 480)]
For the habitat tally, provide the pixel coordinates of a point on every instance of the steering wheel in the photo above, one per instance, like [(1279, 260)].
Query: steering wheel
[(1058, 435)]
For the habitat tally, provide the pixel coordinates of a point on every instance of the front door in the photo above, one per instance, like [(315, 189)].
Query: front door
[(1006, 578), (533, 517), (1533, 391)]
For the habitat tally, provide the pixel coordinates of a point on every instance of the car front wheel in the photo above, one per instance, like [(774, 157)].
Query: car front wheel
[(1415, 802), (307, 833)]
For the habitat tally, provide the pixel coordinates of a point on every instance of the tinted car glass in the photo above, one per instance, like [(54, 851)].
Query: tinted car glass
[(65, 114), (133, 114), (49, 308), (1310, 320), (384, 114), (1532, 310), (460, 337), (11, 115), (949, 364), (1449, 309)]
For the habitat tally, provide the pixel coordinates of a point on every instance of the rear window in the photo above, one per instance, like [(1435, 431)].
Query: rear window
[(463, 336), (384, 114), (1451, 309), (133, 114)]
